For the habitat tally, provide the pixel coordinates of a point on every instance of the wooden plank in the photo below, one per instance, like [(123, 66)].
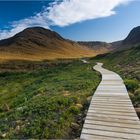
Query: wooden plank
[(112, 113), (111, 97), (109, 92), (111, 128), (113, 100), (111, 134), (112, 119), (111, 104), (112, 110), (112, 124), (113, 107), (85, 136), (114, 116), (112, 82), (117, 103), (112, 86)]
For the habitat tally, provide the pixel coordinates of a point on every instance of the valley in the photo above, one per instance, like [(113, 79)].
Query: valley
[(46, 87)]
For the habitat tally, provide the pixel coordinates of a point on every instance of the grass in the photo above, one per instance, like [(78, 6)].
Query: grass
[(46, 103)]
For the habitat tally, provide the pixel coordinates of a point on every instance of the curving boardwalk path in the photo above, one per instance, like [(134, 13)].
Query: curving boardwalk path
[(111, 115)]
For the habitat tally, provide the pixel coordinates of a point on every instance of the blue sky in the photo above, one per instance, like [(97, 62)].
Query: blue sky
[(73, 20)]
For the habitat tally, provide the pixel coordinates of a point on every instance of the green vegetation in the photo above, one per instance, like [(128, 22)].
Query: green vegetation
[(46, 103), (131, 85), (134, 92)]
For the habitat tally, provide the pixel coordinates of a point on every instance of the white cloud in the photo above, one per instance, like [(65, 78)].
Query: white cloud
[(73, 11), (65, 13)]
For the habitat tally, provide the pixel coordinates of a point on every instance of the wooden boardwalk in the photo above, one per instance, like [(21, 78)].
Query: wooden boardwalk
[(111, 115)]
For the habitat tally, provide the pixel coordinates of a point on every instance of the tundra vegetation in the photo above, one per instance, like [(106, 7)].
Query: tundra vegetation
[(48, 102)]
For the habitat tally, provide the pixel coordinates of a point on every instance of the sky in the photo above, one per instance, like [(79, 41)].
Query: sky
[(79, 20)]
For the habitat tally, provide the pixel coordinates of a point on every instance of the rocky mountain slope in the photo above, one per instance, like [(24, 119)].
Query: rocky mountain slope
[(38, 43), (133, 37), (131, 40)]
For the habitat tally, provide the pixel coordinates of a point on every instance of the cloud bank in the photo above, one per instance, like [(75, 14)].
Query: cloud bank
[(65, 13), (73, 11)]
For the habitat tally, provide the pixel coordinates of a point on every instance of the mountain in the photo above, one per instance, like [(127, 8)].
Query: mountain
[(98, 46), (131, 40), (133, 37), (38, 43)]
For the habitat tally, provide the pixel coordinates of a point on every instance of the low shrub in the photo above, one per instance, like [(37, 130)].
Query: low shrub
[(131, 85), (74, 110)]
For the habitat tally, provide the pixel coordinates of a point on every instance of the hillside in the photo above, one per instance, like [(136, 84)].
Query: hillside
[(127, 61), (38, 43), (127, 64)]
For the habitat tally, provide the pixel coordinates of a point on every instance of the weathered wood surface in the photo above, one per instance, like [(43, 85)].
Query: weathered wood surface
[(111, 115)]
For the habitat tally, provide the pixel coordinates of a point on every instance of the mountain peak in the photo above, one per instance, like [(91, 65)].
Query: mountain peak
[(133, 37), (33, 34), (37, 31)]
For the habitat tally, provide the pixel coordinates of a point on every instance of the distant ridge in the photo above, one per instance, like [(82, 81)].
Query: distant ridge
[(97, 46)]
